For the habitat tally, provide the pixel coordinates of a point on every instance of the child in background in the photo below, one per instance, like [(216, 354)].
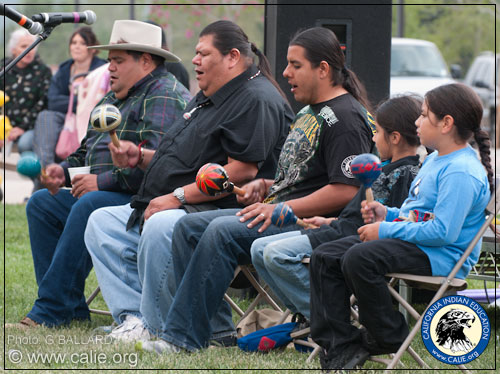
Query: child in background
[(278, 258), (447, 197)]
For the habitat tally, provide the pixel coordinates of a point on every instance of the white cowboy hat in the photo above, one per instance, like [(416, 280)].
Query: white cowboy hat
[(137, 36)]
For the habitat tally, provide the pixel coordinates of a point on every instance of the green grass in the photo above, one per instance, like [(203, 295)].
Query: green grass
[(75, 341)]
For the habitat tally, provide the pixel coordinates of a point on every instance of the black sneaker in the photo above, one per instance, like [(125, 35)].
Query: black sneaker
[(224, 341), (353, 357)]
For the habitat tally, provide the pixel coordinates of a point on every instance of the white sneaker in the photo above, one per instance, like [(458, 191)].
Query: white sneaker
[(130, 330), (159, 346)]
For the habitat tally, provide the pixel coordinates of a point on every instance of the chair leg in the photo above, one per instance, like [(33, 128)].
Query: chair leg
[(286, 313), (261, 294), (406, 293), (93, 295), (404, 347), (101, 312), (260, 289), (91, 298), (233, 305), (417, 358), (313, 354), (403, 302)]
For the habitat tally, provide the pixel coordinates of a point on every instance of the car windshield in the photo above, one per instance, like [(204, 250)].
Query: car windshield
[(417, 60)]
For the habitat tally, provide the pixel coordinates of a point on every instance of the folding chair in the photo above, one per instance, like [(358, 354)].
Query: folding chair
[(441, 284)]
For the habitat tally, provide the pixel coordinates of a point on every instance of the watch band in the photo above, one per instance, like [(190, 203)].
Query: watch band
[(179, 194)]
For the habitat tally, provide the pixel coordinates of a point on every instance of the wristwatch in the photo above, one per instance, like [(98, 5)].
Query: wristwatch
[(179, 194)]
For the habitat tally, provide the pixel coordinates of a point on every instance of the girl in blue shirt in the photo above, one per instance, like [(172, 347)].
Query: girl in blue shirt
[(426, 236)]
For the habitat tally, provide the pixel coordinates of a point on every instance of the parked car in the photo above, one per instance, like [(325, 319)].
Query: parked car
[(481, 77), (417, 66)]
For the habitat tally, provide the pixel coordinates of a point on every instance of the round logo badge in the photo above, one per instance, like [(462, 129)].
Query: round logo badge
[(455, 330), (346, 166)]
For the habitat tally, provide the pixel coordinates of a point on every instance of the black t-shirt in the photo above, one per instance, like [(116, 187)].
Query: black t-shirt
[(320, 147), (247, 120), (391, 189)]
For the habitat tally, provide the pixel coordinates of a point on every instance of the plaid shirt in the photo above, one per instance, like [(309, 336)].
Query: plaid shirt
[(151, 106)]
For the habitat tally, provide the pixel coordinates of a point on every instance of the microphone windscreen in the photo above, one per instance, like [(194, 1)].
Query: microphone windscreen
[(90, 17), (36, 28)]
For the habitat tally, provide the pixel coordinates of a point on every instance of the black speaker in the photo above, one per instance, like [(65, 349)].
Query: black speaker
[(363, 30)]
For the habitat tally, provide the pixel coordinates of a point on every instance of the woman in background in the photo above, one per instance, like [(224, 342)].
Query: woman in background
[(50, 122)]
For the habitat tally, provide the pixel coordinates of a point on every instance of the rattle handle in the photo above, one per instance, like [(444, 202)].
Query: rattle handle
[(306, 225), (369, 198), (369, 195), (239, 191), (114, 138)]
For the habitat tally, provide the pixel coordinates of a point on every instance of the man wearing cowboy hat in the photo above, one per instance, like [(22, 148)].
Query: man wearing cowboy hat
[(150, 99), (239, 120)]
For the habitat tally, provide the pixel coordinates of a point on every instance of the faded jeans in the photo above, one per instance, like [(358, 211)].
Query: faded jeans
[(278, 260), (135, 270)]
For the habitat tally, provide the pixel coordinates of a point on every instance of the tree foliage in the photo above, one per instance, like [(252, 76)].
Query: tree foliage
[(183, 21), (461, 29)]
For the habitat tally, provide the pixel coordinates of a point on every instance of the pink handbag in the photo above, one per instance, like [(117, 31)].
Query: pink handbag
[(68, 138)]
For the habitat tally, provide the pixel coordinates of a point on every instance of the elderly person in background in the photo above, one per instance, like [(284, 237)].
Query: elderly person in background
[(26, 84), (50, 122)]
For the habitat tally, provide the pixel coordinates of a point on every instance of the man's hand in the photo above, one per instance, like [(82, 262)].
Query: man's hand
[(261, 212), (255, 192), (373, 212), (369, 232), (319, 221), (83, 183), (161, 203), (127, 156), (15, 133), (53, 178)]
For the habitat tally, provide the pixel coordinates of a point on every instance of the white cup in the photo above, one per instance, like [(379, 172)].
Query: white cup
[(78, 170)]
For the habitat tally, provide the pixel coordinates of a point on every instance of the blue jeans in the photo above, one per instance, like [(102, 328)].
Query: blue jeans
[(47, 129), (135, 270), (278, 259), (56, 226), (25, 141), (115, 253), (217, 243)]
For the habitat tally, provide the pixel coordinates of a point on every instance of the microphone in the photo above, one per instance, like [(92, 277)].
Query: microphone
[(87, 17), (33, 27)]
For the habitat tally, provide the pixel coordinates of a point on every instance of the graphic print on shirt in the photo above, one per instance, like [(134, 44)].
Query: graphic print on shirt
[(298, 151)]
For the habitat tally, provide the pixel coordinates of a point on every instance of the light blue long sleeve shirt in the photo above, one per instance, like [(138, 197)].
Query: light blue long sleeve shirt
[(455, 188)]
